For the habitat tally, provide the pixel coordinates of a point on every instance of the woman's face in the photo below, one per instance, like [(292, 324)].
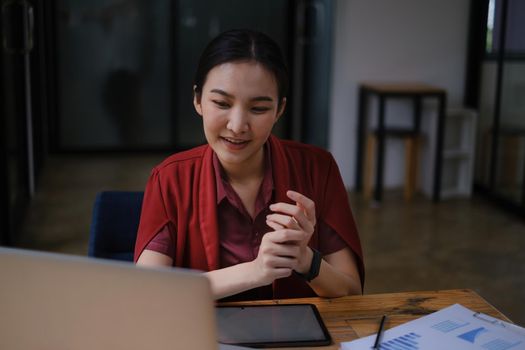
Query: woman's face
[(239, 106)]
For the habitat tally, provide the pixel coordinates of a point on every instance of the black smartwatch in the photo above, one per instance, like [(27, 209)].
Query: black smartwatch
[(314, 267)]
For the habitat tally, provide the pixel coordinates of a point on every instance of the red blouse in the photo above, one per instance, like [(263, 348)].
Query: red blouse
[(240, 235), (183, 198)]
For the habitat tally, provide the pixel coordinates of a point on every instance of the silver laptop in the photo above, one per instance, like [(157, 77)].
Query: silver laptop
[(53, 301)]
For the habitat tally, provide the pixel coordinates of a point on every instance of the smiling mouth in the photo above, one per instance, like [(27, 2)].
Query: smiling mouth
[(235, 141)]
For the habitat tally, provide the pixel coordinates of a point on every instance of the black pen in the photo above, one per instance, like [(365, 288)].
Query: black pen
[(379, 333)]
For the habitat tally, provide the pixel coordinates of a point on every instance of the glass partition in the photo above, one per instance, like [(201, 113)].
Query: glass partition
[(114, 74), (500, 166), (511, 137), (126, 67)]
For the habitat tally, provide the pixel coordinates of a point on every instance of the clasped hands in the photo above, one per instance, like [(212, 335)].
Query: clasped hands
[(286, 248)]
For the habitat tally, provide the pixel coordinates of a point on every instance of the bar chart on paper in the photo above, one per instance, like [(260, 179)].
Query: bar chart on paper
[(448, 326), (455, 327), (405, 342)]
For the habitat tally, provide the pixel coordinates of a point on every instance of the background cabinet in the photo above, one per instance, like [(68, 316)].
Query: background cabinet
[(458, 154)]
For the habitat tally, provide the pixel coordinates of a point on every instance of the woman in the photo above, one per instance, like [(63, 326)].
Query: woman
[(266, 218)]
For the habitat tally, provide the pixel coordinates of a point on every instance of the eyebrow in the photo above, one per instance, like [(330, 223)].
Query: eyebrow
[(225, 94)]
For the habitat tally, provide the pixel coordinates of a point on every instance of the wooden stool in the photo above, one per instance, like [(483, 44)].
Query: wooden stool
[(412, 145)]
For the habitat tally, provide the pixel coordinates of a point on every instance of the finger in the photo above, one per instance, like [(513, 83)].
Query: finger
[(295, 212), (289, 251), (290, 236), (285, 236), (284, 220), (282, 272), (282, 262), (274, 258), (288, 209), (303, 202), (274, 225)]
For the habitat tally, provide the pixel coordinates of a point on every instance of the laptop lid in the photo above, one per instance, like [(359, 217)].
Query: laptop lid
[(54, 301)]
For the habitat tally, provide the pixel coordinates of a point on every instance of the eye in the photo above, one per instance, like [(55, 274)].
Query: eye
[(221, 104), (260, 110)]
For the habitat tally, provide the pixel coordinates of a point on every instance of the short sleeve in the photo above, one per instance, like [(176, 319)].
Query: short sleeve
[(162, 243), (153, 217), (329, 240), (336, 213)]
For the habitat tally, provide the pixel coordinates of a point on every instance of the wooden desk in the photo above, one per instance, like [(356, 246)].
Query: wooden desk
[(353, 317), (414, 91)]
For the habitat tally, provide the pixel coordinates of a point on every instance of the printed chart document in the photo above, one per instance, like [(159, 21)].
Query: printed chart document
[(454, 327)]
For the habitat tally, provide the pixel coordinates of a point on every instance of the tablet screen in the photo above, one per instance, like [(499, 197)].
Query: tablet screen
[(271, 325)]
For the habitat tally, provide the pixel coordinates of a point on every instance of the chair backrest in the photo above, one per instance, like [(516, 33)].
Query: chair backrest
[(116, 216)]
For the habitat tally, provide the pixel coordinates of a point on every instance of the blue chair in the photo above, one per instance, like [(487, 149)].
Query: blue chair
[(114, 225)]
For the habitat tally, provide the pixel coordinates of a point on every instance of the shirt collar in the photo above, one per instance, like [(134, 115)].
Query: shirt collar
[(223, 186)]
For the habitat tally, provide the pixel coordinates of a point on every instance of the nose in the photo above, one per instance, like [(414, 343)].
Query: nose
[(238, 121)]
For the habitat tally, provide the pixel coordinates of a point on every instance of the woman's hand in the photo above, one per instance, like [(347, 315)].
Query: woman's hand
[(286, 249), (278, 255), (298, 218)]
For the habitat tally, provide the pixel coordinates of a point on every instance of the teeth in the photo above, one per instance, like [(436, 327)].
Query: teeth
[(234, 141)]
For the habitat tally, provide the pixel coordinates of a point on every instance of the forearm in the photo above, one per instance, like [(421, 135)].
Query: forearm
[(333, 283), (338, 274), (232, 280)]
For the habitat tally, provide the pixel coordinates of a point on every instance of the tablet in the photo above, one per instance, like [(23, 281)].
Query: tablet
[(270, 326)]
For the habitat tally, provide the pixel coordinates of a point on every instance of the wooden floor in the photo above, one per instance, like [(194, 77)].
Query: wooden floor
[(407, 246)]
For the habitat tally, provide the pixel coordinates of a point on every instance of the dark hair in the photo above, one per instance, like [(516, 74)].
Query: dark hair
[(243, 45)]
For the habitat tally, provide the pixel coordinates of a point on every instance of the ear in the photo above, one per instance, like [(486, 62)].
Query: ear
[(281, 109), (197, 101)]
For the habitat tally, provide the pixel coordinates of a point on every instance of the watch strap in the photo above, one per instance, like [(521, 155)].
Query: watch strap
[(315, 266)]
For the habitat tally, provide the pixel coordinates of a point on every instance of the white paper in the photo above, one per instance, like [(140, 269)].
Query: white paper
[(454, 327)]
